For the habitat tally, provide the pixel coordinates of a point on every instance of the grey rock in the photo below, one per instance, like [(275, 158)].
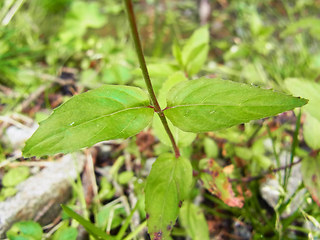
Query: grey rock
[(271, 189), (17, 136), (39, 197)]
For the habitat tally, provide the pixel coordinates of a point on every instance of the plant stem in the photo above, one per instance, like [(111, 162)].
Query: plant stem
[(143, 66)]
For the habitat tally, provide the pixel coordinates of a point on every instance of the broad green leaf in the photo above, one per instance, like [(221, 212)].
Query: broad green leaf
[(195, 52), (310, 169), (25, 230), (211, 104), (92, 229), (216, 182), (167, 186), (15, 175), (109, 112), (306, 89), (182, 138), (194, 222), (311, 131)]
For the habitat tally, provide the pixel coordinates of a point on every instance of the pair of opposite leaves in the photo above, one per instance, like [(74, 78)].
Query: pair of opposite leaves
[(115, 111)]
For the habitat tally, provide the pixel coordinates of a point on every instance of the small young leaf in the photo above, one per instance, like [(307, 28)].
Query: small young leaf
[(15, 175), (66, 233), (211, 104), (25, 230), (210, 148), (92, 229), (172, 80), (306, 89), (125, 177), (110, 213), (310, 169), (182, 138), (176, 51), (215, 180), (195, 52), (109, 112), (167, 186), (194, 222), (7, 192), (116, 74)]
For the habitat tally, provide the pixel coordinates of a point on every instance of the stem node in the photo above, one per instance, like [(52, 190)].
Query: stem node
[(143, 66)]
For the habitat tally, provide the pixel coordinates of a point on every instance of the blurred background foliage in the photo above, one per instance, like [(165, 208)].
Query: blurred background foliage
[(270, 43), (260, 42)]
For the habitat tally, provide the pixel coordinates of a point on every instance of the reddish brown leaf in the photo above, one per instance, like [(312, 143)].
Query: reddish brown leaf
[(215, 180)]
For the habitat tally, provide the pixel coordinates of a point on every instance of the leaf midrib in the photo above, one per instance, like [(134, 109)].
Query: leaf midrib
[(94, 119), (170, 182), (219, 105)]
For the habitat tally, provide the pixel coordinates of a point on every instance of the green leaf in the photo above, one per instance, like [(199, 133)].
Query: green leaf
[(15, 175), (25, 230), (216, 182), (82, 15), (306, 89), (167, 186), (194, 222), (92, 229), (310, 169), (67, 233), (311, 131), (195, 52), (182, 138), (211, 104), (210, 148), (308, 23), (158, 72), (174, 78), (116, 74), (125, 177), (8, 192), (109, 112), (110, 213), (176, 51)]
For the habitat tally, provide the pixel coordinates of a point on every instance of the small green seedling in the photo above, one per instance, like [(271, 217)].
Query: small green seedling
[(196, 106)]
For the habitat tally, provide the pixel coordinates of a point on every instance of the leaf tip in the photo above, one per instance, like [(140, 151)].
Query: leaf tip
[(305, 101), (25, 153)]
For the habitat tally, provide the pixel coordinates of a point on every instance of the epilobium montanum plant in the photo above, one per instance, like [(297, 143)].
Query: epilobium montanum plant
[(115, 112)]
